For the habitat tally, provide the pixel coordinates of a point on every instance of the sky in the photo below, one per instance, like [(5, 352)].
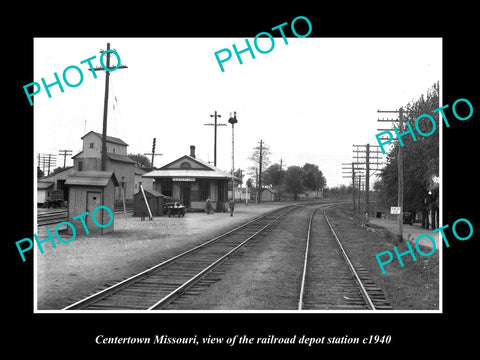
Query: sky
[(309, 101)]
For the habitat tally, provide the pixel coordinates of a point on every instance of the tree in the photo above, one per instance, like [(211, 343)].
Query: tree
[(420, 157), (239, 174), (294, 180), (273, 175), (255, 157), (141, 159), (313, 178)]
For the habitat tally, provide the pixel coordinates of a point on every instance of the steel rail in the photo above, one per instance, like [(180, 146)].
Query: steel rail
[(122, 284), (168, 298), (364, 292), (304, 275)]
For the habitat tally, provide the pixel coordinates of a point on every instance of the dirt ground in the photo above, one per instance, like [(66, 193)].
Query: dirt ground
[(415, 286), (267, 272), (264, 275), (89, 263)]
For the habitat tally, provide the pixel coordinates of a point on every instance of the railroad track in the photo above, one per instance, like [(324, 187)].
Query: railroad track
[(330, 280), (57, 216), (155, 288)]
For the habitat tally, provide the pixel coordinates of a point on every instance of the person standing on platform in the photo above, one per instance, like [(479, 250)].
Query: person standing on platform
[(231, 205), (208, 208)]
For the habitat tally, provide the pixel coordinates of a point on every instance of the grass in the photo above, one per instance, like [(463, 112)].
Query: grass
[(413, 286)]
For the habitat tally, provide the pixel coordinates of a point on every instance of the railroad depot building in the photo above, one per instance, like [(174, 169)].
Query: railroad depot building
[(89, 159), (192, 181)]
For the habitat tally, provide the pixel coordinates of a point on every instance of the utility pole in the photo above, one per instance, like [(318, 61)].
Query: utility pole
[(281, 176), (105, 105), (259, 191), (368, 163), (351, 167), (64, 153), (215, 124), (52, 161), (400, 166), (153, 151), (233, 120)]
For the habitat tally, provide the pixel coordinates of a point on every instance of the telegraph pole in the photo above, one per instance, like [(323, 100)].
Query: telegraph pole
[(105, 105), (259, 192), (281, 176), (367, 168), (51, 162), (400, 167), (64, 153), (233, 120), (153, 151), (351, 173), (215, 124)]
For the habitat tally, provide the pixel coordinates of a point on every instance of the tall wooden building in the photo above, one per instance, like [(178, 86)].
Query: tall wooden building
[(89, 159)]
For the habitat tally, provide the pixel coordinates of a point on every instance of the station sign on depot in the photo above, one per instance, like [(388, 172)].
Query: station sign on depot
[(224, 55)]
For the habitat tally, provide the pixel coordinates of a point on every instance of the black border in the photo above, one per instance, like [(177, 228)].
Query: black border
[(411, 333)]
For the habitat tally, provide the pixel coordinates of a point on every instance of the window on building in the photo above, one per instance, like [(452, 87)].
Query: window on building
[(113, 150), (185, 165), (80, 165), (204, 189), (166, 187), (91, 145)]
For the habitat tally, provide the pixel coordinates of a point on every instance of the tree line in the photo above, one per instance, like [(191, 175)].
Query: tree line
[(293, 180)]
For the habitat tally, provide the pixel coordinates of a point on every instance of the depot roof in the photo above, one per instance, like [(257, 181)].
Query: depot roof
[(188, 167)]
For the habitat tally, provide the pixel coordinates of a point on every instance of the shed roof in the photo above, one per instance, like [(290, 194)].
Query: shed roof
[(111, 156), (44, 185), (91, 178), (270, 190), (122, 158)]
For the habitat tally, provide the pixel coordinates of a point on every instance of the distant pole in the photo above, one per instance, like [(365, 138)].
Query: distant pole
[(233, 121), (153, 150), (215, 124), (367, 183), (260, 173), (64, 153), (353, 188), (281, 176), (359, 193)]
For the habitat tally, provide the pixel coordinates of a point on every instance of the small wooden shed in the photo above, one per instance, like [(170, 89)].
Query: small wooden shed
[(88, 190), (155, 202), (269, 195)]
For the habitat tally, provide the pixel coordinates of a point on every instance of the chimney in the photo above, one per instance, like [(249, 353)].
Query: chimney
[(192, 151)]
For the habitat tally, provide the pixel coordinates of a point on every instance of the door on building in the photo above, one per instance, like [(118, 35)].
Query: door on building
[(94, 199), (185, 191)]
